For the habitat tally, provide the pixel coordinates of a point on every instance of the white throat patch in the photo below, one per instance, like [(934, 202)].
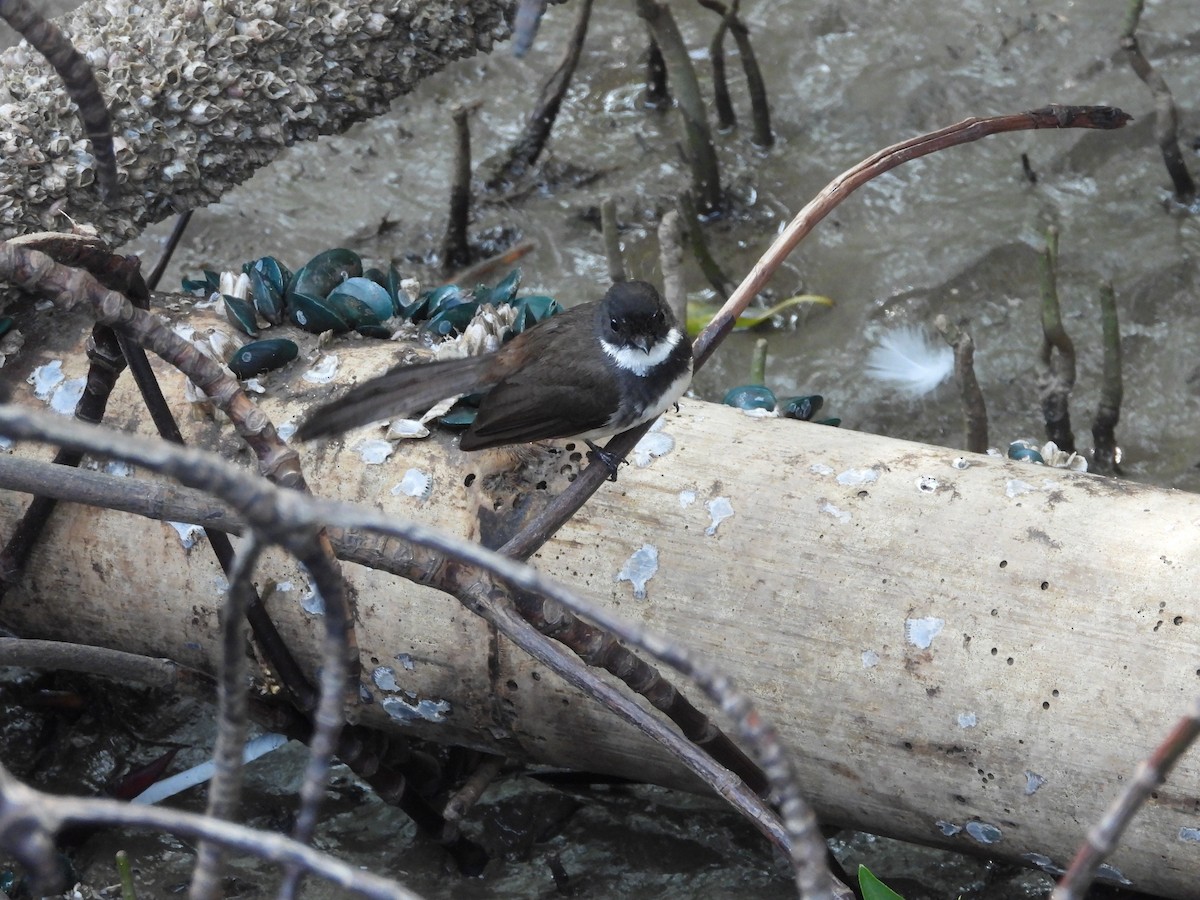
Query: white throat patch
[(639, 362)]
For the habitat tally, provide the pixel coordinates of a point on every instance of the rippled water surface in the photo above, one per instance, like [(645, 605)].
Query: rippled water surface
[(958, 232)]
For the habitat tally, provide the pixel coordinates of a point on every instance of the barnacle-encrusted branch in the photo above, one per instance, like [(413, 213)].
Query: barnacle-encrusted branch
[(203, 93)]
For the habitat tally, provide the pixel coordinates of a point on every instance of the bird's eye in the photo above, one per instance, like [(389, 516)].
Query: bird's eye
[(615, 323), (658, 316)]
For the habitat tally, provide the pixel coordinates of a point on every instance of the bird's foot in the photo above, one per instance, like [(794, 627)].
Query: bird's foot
[(610, 460)]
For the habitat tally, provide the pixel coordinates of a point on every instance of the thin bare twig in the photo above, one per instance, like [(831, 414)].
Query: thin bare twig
[(974, 408), (525, 151), (225, 789), (472, 789), (1056, 369), (338, 678), (29, 819), (180, 226), (701, 154), (456, 248), (1108, 413), (1102, 838), (1166, 118), (670, 258), (610, 231)]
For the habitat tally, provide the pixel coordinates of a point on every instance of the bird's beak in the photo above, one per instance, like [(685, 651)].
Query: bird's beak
[(642, 341)]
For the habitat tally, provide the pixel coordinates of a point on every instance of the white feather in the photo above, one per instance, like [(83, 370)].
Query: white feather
[(908, 360)]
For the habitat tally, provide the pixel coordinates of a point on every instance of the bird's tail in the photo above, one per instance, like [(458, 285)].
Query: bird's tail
[(402, 391)]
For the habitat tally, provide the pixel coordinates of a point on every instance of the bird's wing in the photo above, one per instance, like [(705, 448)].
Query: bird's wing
[(405, 390), (522, 409)]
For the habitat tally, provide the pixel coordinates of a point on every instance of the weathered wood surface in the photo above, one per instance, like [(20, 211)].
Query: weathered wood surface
[(989, 648)]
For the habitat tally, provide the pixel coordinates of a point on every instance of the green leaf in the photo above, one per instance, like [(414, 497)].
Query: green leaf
[(700, 314), (874, 889)]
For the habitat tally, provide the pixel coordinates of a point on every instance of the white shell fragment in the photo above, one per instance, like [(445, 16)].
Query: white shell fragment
[(1016, 487), (921, 632), (312, 602), (1060, 459), (720, 509), (984, 832), (439, 409), (687, 498), (385, 678), (1033, 781), (46, 378), (66, 396), (374, 451), (830, 510), (189, 535), (858, 476), (406, 429), (639, 569), (651, 446), (323, 372), (927, 484), (415, 483), (422, 710)]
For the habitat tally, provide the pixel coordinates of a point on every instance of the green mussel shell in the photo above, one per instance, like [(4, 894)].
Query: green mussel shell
[(533, 309), (802, 408), (267, 299), (451, 319), (240, 314), (459, 417), (750, 396), (371, 295), (314, 315), (324, 272), (257, 357)]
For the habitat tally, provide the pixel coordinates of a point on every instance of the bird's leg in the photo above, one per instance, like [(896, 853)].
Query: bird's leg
[(611, 460)]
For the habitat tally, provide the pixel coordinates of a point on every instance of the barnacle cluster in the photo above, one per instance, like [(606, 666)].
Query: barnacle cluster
[(202, 93)]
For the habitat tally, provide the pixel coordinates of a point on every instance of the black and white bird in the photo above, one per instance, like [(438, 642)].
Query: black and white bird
[(595, 370)]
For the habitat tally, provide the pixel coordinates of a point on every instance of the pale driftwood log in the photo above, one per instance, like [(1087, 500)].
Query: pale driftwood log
[(202, 94), (974, 656)]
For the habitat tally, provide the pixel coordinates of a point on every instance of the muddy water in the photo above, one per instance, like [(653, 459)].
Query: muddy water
[(957, 233)]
